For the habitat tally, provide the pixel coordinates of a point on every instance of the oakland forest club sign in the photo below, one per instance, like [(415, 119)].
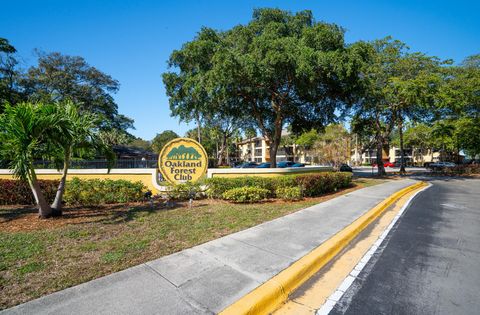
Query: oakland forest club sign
[(182, 160)]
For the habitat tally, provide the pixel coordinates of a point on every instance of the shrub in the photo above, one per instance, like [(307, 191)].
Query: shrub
[(289, 193), (463, 169), (311, 184), (216, 186), (96, 191), (17, 192), (317, 184), (185, 191), (246, 194)]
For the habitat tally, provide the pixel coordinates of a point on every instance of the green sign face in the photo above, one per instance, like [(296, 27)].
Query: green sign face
[(182, 160)]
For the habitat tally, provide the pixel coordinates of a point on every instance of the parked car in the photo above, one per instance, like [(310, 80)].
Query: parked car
[(284, 164), (385, 164), (345, 168), (264, 165), (298, 165), (247, 165), (439, 165)]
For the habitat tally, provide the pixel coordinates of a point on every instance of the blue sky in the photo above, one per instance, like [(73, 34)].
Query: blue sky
[(131, 40)]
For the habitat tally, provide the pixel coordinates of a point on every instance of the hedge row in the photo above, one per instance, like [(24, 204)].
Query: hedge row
[(97, 191), (463, 169), (78, 191), (16, 192), (310, 185)]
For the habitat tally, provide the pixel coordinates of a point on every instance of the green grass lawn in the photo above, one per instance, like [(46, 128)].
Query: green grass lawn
[(38, 257)]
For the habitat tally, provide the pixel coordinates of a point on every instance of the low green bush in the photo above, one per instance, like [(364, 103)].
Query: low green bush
[(289, 193), (185, 191), (91, 192), (216, 186), (246, 194), (311, 185), (314, 185), (17, 192)]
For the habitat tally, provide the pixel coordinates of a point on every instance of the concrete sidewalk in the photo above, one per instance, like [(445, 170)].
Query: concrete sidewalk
[(207, 278)]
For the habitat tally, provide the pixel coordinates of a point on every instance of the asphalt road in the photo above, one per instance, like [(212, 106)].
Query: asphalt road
[(430, 261)]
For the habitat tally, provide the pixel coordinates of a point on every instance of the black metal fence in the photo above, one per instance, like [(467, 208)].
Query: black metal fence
[(84, 164)]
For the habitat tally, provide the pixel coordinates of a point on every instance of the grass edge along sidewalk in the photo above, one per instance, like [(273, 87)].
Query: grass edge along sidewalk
[(271, 294)]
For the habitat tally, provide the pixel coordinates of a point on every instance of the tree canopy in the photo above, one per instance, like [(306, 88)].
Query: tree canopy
[(161, 139), (280, 68)]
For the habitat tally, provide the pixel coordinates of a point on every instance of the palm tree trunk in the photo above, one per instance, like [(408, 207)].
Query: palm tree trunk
[(57, 203), (44, 210)]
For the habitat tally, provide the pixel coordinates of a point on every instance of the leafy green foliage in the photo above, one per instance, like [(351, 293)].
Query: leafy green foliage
[(289, 193), (185, 191), (60, 77), (25, 130), (279, 68), (96, 191), (161, 139), (9, 75), (311, 184), (216, 186), (246, 194)]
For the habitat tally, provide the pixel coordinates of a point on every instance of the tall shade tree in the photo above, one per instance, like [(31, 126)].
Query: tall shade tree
[(397, 86), (59, 77), (283, 69), (25, 132), (186, 86), (443, 132), (161, 139), (468, 135), (78, 137), (280, 69), (10, 92), (412, 91), (418, 136)]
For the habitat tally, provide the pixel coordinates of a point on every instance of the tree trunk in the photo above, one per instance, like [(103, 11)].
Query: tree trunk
[(199, 133), (273, 153), (379, 138), (57, 203), (402, 152), (44, 210), (223, 146), (381, 168)]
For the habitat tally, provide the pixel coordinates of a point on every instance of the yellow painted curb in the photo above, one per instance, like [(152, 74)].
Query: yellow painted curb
[(270, 295)]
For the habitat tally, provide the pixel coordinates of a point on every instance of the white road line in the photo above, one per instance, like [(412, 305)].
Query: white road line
[(348, 281)]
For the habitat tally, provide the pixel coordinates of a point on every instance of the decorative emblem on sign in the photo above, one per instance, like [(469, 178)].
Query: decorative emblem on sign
[(182, 160)]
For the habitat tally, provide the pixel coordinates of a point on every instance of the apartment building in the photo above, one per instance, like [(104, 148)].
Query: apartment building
[(412, 156), (257, 149)]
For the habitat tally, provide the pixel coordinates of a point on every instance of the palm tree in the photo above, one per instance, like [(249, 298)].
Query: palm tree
[(78, 137), (25, 131)]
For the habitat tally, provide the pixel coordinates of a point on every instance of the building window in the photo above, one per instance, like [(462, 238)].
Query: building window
[(258, 152)]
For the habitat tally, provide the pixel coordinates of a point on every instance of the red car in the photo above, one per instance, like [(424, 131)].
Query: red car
[(385, 164)]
